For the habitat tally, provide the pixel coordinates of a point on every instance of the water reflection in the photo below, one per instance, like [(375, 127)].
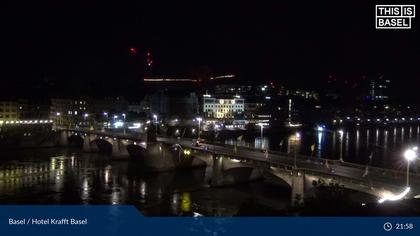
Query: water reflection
[(347, 144), (293, 143), (417, 133), (410, 132), (261, 143), (319, 143), (385, 140), (77, 178), (341, 134), (357, 143), (394, 138), (402, 135)]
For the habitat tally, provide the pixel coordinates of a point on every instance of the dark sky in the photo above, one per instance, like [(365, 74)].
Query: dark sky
[(84, 45)]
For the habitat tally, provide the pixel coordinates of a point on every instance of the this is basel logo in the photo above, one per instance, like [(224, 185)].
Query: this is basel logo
[(394, 16)]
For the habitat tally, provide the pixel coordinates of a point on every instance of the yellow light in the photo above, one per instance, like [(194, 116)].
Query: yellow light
[(186, 202)]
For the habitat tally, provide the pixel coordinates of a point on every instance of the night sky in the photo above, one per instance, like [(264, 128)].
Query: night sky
[(59, 46)]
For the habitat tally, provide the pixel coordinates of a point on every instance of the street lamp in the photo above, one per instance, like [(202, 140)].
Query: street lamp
[(297, 138), (156, 122), (123, 115), (199, 119), (410, 155)]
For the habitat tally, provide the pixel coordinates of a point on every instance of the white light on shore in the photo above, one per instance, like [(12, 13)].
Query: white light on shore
[(391, 197)]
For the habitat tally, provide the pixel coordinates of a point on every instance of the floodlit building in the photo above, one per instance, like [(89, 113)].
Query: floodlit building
[(222, 108), (9, 110), (69, 112), (379, 89)]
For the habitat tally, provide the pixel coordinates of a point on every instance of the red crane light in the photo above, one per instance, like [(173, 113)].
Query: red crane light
[(133, 51)]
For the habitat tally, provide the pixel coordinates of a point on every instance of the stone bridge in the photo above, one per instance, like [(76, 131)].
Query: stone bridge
[(234, 165), (120, 143), (229, 171), (230, 166)]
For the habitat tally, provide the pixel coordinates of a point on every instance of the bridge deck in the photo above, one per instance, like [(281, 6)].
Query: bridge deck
[(377, 177)]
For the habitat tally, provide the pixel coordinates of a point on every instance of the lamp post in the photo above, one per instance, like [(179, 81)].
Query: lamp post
[(123, 115), (199, 119), (297, 138), (409, 155), (156, 123)]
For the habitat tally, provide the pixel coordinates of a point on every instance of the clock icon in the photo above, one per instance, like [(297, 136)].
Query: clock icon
[(387, 226)]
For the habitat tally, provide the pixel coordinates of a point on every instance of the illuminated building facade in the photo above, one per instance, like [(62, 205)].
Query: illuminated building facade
[(379, 89), (222, 108), (69, 112), (9, 110)]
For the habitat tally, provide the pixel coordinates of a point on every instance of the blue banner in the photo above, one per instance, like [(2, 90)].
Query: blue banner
[(127, 220)]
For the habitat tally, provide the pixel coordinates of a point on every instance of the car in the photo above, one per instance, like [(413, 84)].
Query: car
[(197, 144)]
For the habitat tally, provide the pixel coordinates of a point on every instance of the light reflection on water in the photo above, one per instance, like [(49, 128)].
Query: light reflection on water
[(76, 178)]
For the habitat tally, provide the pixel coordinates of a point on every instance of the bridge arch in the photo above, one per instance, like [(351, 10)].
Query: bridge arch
[(136, 150), (228, 171), (103, 145), (75, 139)]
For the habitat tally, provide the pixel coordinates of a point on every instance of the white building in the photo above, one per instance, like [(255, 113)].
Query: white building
[(221, 108)]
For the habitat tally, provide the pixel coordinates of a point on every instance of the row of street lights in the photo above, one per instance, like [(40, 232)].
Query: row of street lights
[(198, 119)]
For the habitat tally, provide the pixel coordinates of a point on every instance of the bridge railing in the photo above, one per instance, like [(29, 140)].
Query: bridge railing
[(291, 155), (110, 134), (395, 174), (361, 182), (364, 183), (414, 177)]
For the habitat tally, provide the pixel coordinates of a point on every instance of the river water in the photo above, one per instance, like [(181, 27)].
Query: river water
[(69, 176)]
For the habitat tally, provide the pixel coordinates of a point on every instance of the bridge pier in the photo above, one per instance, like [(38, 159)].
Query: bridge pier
[(88, 144), (63, 139), (227, 171), (119, 149), (295, 179)]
